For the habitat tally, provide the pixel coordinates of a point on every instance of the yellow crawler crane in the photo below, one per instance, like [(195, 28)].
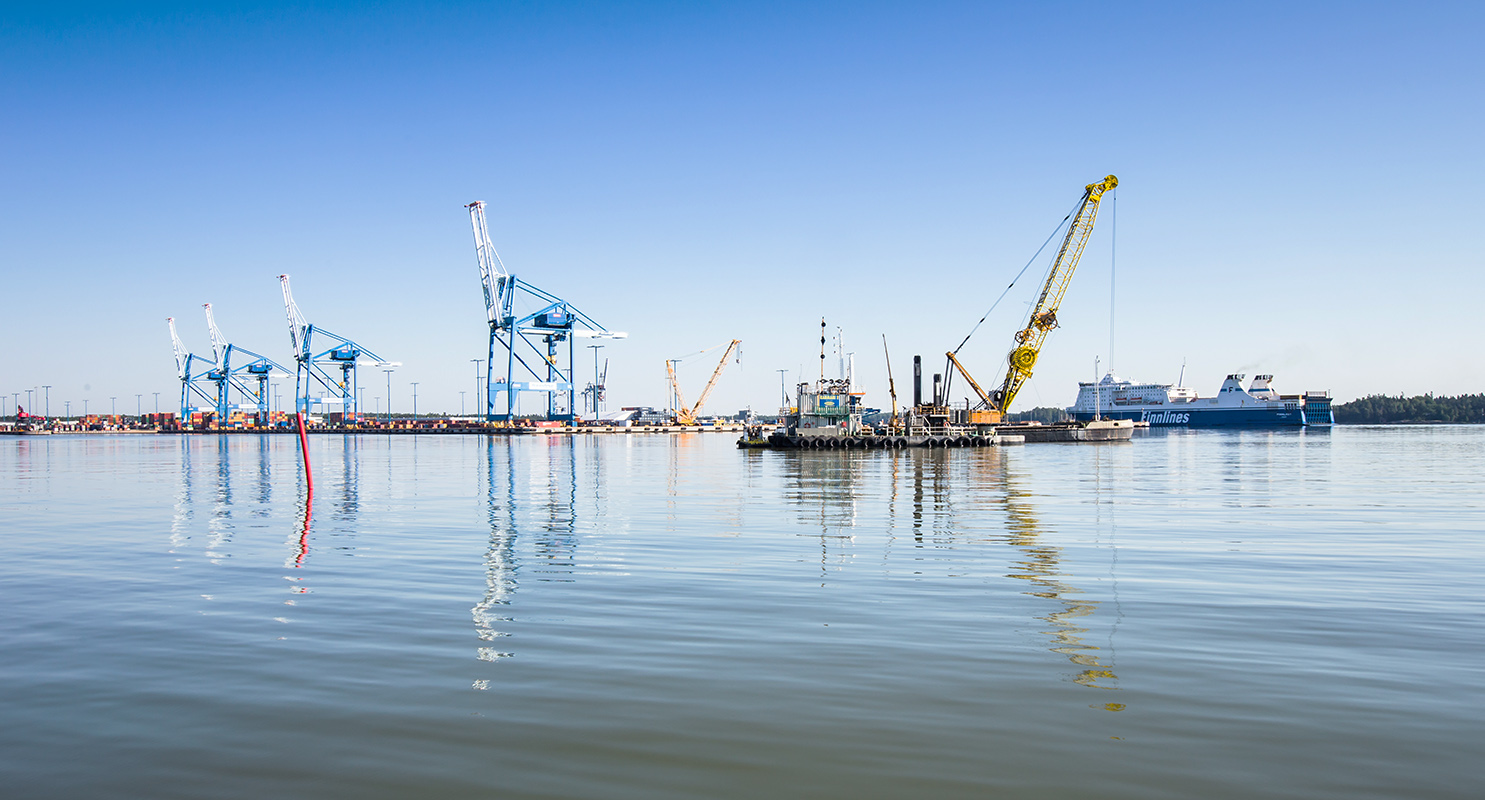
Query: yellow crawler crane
[(1043, 316), (687, 415)]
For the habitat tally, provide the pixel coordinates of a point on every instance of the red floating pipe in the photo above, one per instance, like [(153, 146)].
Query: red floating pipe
[(309, 478)]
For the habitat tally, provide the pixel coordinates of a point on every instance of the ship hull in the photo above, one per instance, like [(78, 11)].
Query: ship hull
[(1208, 417)]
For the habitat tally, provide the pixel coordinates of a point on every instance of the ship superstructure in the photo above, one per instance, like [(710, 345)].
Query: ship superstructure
[(1168, 405), (826, 408)]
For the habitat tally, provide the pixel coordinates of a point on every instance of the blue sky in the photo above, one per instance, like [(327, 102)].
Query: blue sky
[(1298, 186)]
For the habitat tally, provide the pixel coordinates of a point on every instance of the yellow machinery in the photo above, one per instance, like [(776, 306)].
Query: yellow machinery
[(1043, 316), (687, 415)]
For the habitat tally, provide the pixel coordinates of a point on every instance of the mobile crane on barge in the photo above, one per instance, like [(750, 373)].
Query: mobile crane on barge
[(991, 411)]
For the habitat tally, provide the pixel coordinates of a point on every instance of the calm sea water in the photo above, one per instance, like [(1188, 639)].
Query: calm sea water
[(1208, 614)]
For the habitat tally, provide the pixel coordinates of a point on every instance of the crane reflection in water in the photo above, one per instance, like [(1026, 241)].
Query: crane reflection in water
[(941, 492), (532, 485), (1041, 567), (212, 472)]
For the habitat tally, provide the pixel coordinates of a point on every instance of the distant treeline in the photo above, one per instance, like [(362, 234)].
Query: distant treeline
[(1379, 408), (1045, 414)]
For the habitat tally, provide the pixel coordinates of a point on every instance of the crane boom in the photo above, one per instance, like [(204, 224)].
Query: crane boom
[(675, 386), (962, 371), (717, 373), (219, 343), (494, 279), (1043, 318), (298, 327), (182, 355), (891, 389)]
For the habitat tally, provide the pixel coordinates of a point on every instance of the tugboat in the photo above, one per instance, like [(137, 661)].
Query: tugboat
[(29, 423)]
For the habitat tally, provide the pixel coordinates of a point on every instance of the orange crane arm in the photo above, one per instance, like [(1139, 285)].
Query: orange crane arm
[(962, 371), (675, 386), (717, 373)]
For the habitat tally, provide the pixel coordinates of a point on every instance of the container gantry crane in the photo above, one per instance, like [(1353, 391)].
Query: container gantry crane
[(686, 415), (554, 321), (310, 367), (226, 377), (1043, 317), (191, 381)]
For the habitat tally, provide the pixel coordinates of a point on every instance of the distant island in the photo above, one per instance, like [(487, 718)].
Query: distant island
[(1380, 409)]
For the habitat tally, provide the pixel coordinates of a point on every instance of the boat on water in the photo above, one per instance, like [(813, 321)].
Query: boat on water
[(1164, 405), (828, 415)]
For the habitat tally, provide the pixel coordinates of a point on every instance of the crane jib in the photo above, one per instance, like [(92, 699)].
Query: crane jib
[(1043, 317)]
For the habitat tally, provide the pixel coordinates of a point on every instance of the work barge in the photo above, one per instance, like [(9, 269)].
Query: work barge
[(1035, 433), (828, 416)]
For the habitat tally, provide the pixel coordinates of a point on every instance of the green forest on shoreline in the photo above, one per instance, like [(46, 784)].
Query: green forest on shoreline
[(1379, 408)]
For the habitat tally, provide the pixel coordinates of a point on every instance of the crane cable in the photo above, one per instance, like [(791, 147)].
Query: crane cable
[(1019, 274), (702, 353)]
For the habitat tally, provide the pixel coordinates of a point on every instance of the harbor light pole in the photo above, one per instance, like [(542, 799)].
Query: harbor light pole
[(389, 398), (113, 406), (783, 393), (68, 404), (138, 405), (415, 401), (48, 389), (486, 406), (85, 406), (461, 404), (157, 402), (28, 400)]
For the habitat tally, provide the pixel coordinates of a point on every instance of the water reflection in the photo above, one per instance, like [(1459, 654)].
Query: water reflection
[(943, 494), (185, 508), (532, 484), (219, 525), (823, 485), (1041, 566), (308, 505), (213, 471), (500, 555)]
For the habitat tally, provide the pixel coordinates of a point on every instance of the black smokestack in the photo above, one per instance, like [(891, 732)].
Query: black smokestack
[(917, 381)]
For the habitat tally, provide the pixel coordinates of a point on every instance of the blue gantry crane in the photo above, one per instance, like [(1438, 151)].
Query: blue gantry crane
[(313, 368), (225, 376), (553, 321)]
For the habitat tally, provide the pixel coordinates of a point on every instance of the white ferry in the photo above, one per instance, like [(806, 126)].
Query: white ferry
[(1169, 406)]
